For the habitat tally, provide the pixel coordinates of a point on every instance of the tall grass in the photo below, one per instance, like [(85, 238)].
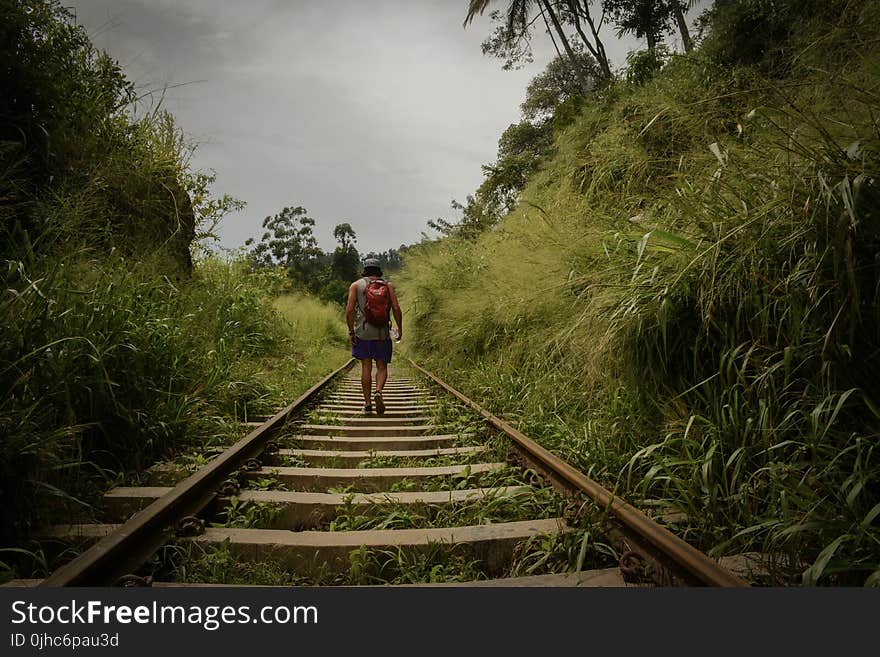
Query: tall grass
[(114, 350), (316, 342), (106, 367), (313, 324), (685, 301)]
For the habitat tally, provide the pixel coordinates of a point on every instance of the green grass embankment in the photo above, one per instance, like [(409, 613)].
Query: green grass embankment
[(684, 303), (108, 368), (318, 338)]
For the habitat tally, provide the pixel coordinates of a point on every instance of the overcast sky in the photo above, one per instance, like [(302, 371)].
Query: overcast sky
[(377, 113)]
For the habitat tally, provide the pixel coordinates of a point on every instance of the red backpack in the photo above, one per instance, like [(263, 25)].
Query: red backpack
[(377, 308)]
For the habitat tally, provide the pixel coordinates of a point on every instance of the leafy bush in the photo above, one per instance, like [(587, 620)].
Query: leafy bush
[(643, 65), (78, 168)]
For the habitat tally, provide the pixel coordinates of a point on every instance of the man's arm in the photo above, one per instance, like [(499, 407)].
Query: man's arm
[(395, 309), (349, 312)]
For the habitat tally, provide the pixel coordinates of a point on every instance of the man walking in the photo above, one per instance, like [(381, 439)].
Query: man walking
[(371, 300)]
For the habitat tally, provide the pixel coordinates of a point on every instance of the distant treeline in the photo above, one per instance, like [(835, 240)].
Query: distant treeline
[(289, 243)]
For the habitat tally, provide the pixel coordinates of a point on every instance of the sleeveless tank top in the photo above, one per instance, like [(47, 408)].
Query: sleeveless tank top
[(363, 330)]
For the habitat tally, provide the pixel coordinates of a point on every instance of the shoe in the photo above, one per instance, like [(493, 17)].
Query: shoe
[(368, 409), (380, 403)]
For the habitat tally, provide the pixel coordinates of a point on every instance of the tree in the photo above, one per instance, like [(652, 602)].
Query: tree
[(209, 210), (647, 19), (68, 126), (57, 89), (511, 46), (389, 260), (345, 261), (520, 150), (523, 145), (511, 40), (650, 19), (577, 11), (290, 241), (344, 234), (679, 7), (476, 217), (554, 85)]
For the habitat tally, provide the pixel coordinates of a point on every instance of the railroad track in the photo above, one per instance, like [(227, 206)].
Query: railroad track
[(436, 489)]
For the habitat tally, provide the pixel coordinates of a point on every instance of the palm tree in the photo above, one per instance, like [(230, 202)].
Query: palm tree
[(650, 18), (644, 18), (518, 14)]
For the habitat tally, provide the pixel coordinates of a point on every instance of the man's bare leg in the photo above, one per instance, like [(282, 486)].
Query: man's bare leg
[(367, 378), (381, 375)]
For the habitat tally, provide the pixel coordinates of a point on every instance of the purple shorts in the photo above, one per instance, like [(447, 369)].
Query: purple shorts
[(373, 349)]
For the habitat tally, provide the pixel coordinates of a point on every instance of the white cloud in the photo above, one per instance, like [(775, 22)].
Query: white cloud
[(376, 113)]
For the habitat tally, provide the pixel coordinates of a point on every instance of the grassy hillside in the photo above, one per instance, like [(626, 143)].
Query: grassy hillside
[(684, 302), (107, 368), (318, 341), (118, 346)]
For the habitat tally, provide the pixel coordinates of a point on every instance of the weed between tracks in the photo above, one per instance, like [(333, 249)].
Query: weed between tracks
[(219, 565), (192, 563), (246, 514), (430, 462), (497, 451), (267, 482), (581, 549), (465, 479), (316, 416), (488, 508)]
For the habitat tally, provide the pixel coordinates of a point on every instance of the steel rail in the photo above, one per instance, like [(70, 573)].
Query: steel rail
[(691, 560), (127, 547)]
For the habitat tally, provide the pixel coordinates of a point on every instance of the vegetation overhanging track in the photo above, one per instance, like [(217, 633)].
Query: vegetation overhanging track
[(125, 549), (637, 528)]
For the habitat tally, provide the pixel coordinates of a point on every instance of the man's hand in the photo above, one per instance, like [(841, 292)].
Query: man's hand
[(353, 339)]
